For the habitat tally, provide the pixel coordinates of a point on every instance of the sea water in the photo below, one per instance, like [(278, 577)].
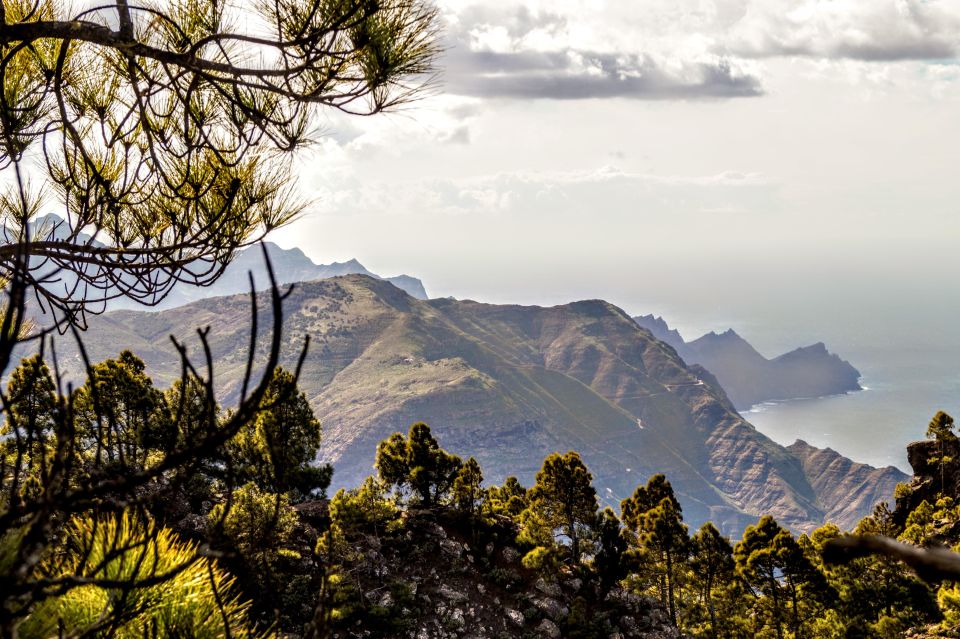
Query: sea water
[(873, 425), (905, 343)]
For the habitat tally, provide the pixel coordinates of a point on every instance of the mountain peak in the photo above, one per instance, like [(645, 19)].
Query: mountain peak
[(750, 378)]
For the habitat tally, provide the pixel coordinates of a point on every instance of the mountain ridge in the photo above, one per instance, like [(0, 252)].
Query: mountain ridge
[(506, 383), (749, 378)]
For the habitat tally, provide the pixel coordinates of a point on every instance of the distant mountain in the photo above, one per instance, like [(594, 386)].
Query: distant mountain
[(289, 265), (750, 378), (507, 384)]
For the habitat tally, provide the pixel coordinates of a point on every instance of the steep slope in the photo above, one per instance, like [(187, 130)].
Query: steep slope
[(750, 378), (845, 489), (507, 384)]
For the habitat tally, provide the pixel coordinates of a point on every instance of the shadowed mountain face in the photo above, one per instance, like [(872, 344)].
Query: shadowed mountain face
[(507, 384), (750, 378)]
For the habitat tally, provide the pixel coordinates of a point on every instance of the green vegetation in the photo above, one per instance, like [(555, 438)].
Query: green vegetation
[(198, 599), (291, 561), (769, 584), (131, 563)]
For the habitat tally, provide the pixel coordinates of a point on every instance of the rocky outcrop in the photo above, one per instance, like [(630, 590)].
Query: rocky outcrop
[(845, 489), (931, 479), (750, 378), (433, 582)]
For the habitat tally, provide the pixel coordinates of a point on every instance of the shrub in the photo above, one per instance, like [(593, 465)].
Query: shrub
[(195, 601)]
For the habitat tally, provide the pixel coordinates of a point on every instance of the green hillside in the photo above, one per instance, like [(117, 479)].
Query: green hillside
[(508, 384)]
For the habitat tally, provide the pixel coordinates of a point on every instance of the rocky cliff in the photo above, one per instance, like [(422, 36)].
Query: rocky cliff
[(750, 378), (931, 480), (845, 489), (507, 384)]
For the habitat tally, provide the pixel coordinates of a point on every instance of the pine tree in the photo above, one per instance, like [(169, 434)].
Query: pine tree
[(564, 500), (874, 592), (759, 566), (277, 449), (713, 569), (121, 415), (611, 545), (467, 492), (26, 437), (940, 429), (508, 500), (654, 517), (774, 565), (417, 462)]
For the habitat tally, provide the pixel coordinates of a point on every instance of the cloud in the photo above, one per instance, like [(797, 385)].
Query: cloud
[(676, 49), (603, 192), (870, 30), (514, 52), (575, 75)]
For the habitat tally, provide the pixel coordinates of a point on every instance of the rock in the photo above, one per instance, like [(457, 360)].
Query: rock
[(574, 584), (551, 607), (510, 554), (629, 624), (549, 629), (447, 592), (549, 588), (451, 547), (456, 617), (489, 549), (515, 617)]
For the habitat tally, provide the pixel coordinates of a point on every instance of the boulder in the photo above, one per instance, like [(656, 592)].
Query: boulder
[(515, 617), (549, 588), (447, 592), (549, 629), (551, 608)]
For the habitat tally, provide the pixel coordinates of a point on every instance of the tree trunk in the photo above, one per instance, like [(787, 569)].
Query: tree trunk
[(670, 602), (775, 597), (574, 542), (711, 608), (796, 614)]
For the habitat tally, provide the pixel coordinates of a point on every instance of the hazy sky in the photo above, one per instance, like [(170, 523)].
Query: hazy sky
[(686, 155)]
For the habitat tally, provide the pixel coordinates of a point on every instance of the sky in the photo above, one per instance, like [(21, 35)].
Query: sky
[(721, 162)]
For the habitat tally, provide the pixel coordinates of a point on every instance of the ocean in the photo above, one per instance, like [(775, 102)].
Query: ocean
[(873, 425), (905, 341)]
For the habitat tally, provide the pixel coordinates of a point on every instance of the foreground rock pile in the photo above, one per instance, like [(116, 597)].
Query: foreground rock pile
[(436, 584)]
